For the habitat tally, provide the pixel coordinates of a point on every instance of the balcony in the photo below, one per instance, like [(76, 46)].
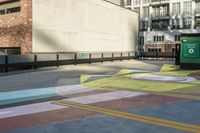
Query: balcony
[(186, 27), (176, 27), (160, 16), (159, 2), (126, 3), (197, 23), (197, 12), (159, 25)]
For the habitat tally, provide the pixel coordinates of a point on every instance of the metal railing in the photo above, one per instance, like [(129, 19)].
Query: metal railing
[(156, 55), (34, 61)]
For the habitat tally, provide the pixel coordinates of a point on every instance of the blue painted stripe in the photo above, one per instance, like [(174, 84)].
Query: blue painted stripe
[(26, 95)]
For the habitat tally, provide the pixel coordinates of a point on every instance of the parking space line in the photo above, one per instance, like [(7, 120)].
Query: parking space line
[(133, 117)]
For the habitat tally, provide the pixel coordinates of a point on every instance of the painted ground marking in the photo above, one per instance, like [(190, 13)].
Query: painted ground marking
[(130, 116)]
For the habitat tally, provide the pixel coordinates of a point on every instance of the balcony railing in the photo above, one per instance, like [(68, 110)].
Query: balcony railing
[(186, 26), (159, 15), (177, 27), (158, 0), (197, 11), (126, 3)]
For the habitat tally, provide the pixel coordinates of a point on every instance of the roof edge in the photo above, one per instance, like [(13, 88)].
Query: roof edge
[(120, 6)]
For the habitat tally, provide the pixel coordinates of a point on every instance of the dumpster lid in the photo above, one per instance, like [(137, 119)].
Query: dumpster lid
[(190, 35)]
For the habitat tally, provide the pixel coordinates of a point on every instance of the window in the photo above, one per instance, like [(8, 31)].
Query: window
[(197, 22), (145, 12), (12, 10), (187, 22), (154, 50), (176, 8), (145, 25), (137, 10), (142, 40), (156, 11), (2, 12), (160, 24), (154, 38), (127, 2), (10, 51), (145, 1), (136, 2), (173, 50), (163, 38), (176, 23), (165, 10), (10, 7), (177, 38), (158, 38), (187, 8), (197, 7)]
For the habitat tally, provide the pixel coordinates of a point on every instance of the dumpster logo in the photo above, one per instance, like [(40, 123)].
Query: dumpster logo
[(191, 51)]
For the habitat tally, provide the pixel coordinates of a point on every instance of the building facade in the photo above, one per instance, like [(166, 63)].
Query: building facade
[(15, 26), (39, 26), (162, 22)]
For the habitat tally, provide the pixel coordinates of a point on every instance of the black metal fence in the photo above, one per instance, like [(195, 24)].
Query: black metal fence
[(34, 61), (157, 55)]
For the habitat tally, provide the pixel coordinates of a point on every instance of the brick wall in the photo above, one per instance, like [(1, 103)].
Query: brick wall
[(16, 28)]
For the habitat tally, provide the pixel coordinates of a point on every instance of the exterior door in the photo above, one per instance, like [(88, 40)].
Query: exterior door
[(178, 51)]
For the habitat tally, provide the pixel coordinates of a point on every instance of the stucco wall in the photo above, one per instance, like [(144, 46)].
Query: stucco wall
[(82, 25)]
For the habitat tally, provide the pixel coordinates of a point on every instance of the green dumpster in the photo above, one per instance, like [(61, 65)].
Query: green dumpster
[(190, 51)]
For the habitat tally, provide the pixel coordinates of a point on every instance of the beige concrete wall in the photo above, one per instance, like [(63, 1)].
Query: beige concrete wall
[(82, 25)]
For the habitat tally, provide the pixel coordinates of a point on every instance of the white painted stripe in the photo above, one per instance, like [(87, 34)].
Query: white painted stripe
[(163, 78), (48, 106), (105, 97), (71, 89), (28, 109)]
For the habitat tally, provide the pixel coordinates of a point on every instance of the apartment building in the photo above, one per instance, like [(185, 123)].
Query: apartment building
[(162, 22)]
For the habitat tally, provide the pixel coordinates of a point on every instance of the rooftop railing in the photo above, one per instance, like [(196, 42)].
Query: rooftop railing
[(34, 61)]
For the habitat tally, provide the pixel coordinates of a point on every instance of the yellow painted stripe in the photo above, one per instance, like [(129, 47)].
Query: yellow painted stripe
[(135, 117)]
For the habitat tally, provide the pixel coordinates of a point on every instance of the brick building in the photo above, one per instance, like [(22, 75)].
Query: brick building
[(15, 26)]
